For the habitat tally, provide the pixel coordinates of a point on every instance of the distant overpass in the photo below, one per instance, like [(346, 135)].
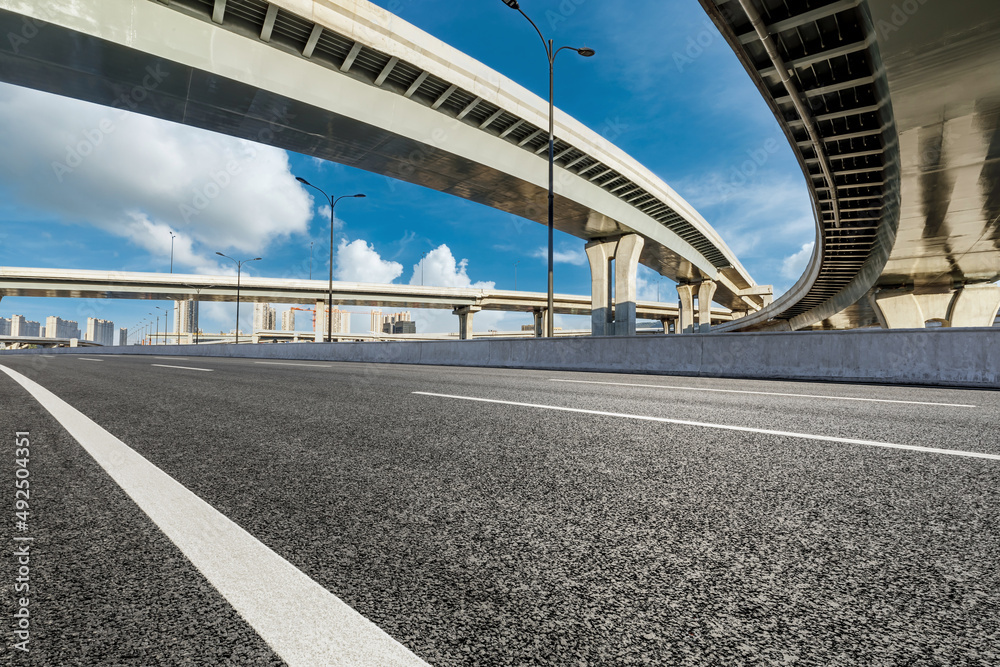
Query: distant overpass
[(893, 111), (385, 97), (464, 302), (20, 342)]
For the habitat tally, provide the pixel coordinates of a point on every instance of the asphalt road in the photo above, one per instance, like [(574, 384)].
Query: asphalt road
[(489, 533)]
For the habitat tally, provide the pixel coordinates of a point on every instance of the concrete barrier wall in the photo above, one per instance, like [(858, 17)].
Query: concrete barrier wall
[(937, 357)]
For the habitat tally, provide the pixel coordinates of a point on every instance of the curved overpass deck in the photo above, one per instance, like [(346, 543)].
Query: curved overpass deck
[(893, 111), (352, 83)]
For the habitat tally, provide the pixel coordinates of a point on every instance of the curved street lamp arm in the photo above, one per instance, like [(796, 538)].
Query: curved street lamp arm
[(329, 200), (571, 48), (548, 48)]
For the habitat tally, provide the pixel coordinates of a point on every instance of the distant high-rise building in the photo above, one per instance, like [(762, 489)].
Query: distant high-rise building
[(341, 319), (56, 327), (288, 320), (41, 332), (101, 332), (185, 317), (389, 323), (21, 326), (376, 325), (264, 317), (404, 327), (123, 336), (4, 326)]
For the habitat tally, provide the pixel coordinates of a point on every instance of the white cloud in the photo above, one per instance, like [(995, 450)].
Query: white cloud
[(139, 177), (574, 256), (795, 265), (760, 218), (440, 268), (359, 262)]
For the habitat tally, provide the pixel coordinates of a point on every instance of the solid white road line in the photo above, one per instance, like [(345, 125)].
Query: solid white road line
[(761, 393), (187, 368), (745, 429), (289, 363), (300, 620), (88, 359)]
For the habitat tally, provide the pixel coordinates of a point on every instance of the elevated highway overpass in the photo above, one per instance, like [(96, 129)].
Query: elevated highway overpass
[(463, 302), (349, 82), (893, 111)]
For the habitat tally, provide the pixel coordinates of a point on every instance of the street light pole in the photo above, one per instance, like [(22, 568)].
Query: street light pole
[(166, 320), (551, 52), (172, 237), (311, 260), (239, 270), (333, 203), (515, 274)]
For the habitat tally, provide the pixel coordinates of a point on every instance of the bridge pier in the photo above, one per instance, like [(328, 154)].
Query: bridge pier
[(686, 293), (706, 290), (541, 321), (685, 309), (624, 251), (319, 326), (465, 314), (968, 306)]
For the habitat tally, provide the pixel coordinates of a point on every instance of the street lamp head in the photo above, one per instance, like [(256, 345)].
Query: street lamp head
[(586, 52), (359, 195), (302, 180), (220, 254), (512, 4), (256, 259)]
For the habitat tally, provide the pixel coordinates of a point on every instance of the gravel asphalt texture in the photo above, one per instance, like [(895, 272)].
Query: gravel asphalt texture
[(488, 534)]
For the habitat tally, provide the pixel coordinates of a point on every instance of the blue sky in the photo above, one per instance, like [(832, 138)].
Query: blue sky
[(663, 78)]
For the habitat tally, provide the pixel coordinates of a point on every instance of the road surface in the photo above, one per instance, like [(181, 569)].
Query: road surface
[(497, 517)]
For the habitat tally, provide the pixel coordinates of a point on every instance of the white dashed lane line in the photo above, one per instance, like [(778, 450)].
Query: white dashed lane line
[(290, 363), (760, 393), (187, 368), (725, 427)]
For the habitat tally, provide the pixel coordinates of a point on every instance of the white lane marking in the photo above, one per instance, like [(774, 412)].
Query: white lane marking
[(187, 368), (288, 363), (761, 393), (173, 358), (300, 620), (88, 359), (745, 429)]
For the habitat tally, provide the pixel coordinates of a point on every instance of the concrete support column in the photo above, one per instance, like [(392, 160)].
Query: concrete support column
[(600, 254), (975, 306), (969, 306), (613, 314), (706, 290), (685, 309), (465, 314), (320, 327), (541, 322), (626, 267)]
